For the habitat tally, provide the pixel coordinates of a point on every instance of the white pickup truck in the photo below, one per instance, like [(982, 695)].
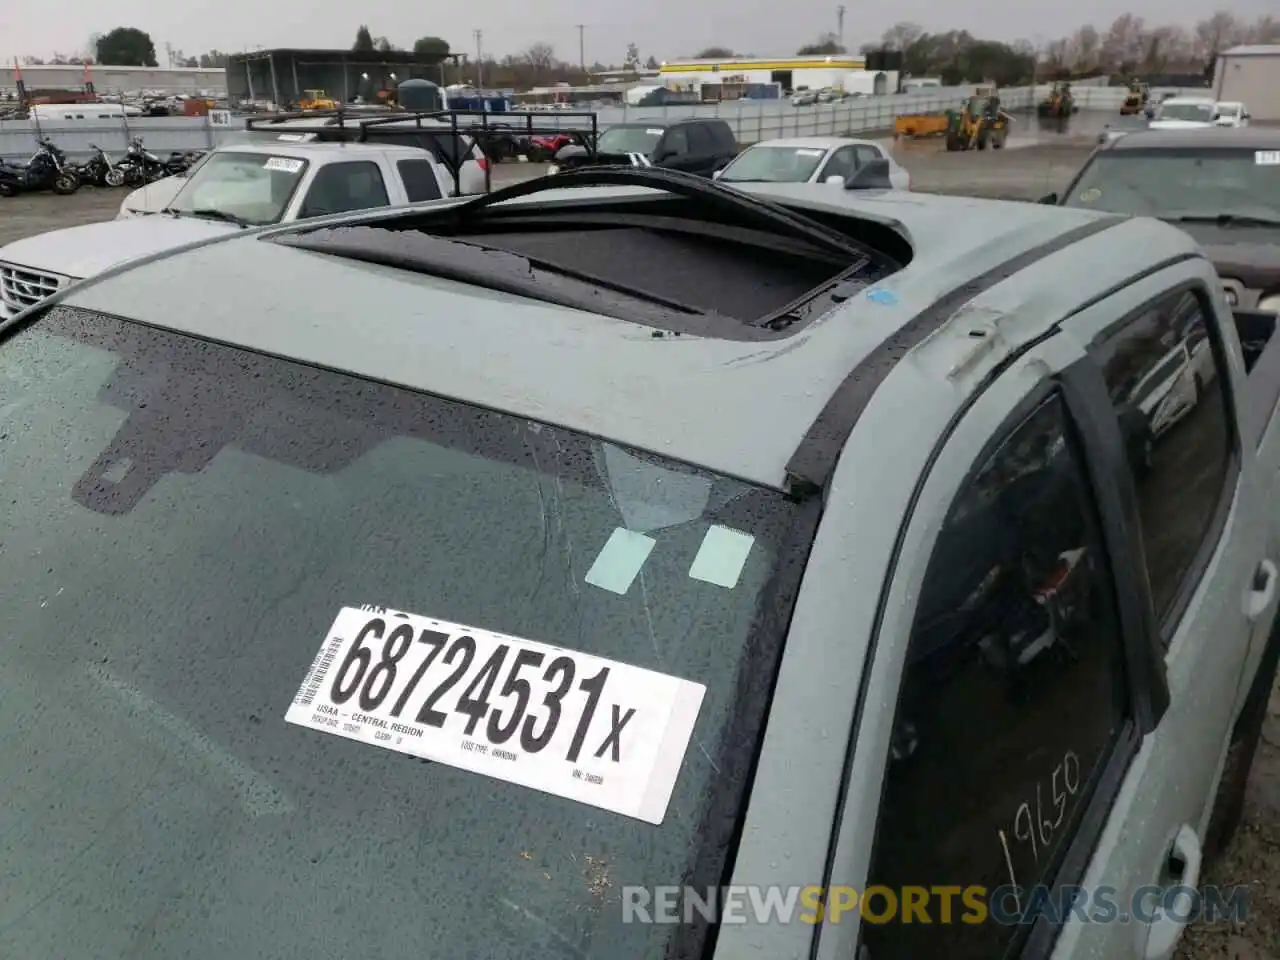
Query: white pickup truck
[(233, 187)]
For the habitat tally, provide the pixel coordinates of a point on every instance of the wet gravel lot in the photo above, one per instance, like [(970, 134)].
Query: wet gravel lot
[(1033, 164)]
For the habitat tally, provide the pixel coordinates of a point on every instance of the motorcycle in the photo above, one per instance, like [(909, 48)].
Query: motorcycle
[(141, 166), (46, 170), (100, 170)]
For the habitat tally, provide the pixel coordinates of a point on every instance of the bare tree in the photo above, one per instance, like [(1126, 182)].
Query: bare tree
[(1123, 47), (901, 35), (1086, 49), (1215, 34), (541, 57)]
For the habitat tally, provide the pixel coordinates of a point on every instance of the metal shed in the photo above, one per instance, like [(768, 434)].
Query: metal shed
[(1250, 74), (282, 75)]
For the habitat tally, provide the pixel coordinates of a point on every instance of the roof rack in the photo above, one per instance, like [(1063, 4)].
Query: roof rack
[(481, 125)]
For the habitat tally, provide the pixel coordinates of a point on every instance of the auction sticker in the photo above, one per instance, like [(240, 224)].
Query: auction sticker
[(284, 164), (564, 722), (1267, 158)]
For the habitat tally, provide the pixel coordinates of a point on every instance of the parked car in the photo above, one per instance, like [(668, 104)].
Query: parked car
[(833, 160), (234, 187), (1185, 113), (1221, 186), (698, 146), (774, 535), (1231, 113)]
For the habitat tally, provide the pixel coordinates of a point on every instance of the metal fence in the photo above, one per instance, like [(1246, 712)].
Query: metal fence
[(751, 120)]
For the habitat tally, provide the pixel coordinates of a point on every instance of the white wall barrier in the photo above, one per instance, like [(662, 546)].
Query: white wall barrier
[(751, 120)]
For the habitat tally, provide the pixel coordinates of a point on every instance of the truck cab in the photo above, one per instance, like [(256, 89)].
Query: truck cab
[(234, 187)]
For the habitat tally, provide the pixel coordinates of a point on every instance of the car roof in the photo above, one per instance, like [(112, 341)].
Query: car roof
[(1200, 138), (826, 143), (1173, 101), (307, 149), (742, 408)]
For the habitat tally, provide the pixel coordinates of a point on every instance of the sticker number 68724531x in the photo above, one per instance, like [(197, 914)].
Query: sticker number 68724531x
[(569, 723)]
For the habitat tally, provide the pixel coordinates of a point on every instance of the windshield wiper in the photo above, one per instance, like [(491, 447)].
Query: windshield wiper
[(208, 213), (1235, 219)]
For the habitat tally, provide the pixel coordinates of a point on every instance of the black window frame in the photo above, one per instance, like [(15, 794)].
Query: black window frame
[(1101, 458), (1167, 625), (430, 174), (850, 169), (326, 168)]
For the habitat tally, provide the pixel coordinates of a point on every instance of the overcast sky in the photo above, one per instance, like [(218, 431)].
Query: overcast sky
[(660, 28)]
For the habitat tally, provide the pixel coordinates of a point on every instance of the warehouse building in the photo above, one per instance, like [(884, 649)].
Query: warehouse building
[(1251, 75), (282, 76), (850, 74)]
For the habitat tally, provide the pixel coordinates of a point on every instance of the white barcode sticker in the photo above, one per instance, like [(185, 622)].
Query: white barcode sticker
[(283, 164), (810, 153), (561, 721), (1267, 158)]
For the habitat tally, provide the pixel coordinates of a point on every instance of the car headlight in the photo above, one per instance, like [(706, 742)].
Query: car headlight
[(1271, 303)]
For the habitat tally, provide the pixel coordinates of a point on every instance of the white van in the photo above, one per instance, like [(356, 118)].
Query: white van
[(59, 113)]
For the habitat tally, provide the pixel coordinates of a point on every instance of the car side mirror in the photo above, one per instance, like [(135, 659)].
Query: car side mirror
[(1245, 116), (835, 180), (1051, 199)]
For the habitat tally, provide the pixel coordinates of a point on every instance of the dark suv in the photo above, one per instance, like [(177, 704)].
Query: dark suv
[(692, 146)]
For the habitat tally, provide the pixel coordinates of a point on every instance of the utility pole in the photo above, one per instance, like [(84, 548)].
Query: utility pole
[(168, 49), (582, 50), (479, 59), (840, 24)]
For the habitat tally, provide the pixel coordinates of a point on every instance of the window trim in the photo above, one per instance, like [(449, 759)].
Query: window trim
[(1078, 387), (1168, 624)]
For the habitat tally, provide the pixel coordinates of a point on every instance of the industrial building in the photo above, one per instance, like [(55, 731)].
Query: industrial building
[(790, 73), (1250, 75), (205, 81), (282, 76)]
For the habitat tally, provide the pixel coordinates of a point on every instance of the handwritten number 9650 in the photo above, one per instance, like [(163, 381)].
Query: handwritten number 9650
[(374, 680)]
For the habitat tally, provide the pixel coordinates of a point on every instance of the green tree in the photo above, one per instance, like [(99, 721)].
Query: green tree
[(364, 40), (714, 53), (826, 46), (430, 48), (126, 47)]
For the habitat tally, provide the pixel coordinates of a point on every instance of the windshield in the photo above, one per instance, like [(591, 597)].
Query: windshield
[(186, 520), (252, 187), (1200, 112), (1185, 183), (629, 140), (774, 164)]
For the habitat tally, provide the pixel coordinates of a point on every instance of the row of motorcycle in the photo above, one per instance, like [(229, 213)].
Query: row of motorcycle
[(49, 169)]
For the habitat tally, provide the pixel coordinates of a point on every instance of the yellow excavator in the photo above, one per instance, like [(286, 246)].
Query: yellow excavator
[(316, 100), (978, 123), (1059, 104)]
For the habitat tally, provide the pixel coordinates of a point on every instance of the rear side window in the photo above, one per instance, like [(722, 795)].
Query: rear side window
[(1166, 382), (700, 140), (419, 178), (722, 136), (1012, 699), (866, 154), (677, 139), (340, 187)]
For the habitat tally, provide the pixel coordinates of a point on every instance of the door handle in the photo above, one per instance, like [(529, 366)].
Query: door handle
[(1261, 591), (1183, 869)]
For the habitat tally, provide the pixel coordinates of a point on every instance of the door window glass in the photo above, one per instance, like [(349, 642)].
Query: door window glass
[(1012, 696), (1165, 381), (340, 187)]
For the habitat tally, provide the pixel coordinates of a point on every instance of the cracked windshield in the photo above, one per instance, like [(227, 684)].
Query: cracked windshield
[(406, 559)]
